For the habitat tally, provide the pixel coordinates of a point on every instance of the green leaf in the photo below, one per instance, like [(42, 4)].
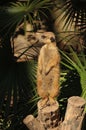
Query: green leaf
[(77, 60), (77, 63)]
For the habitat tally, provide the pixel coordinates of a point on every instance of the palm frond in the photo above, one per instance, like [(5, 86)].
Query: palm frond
[(13, 15), (79, 64), (69, 61), (17, 85), (77, 60), (73, 13), (17, 8)]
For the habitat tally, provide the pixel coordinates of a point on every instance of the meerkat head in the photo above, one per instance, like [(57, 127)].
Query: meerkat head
[(46, 37)]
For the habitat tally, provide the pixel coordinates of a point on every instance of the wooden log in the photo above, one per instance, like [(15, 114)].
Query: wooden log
[(32, 123), (74, 114), (49, 115)]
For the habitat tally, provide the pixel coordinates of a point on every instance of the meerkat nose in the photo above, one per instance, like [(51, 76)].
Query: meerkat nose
[(52, 39)]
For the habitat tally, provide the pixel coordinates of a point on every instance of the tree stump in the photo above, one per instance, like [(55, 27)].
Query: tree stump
[(49, 116), (74, 114), (32, 123), (47, 119)]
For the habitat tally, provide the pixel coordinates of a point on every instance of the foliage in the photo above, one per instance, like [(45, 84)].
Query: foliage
[(16, 89), (18, 80), (73, 13), (11, 16), (79, 64)]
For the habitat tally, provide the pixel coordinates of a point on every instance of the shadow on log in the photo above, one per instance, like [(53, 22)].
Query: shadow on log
[(48, 117)]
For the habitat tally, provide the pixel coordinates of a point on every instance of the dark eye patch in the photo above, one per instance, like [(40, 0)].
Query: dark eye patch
[(43, 36), (52, 39), (34, 38)]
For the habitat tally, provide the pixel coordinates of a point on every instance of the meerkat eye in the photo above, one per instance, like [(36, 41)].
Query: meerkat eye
[(34, 38), (43, 36), (52, 39)]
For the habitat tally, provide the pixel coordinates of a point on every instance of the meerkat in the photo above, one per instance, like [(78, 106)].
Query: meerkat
[(48, 72)]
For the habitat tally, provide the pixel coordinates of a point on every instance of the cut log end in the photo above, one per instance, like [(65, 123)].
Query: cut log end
[(28, 119), (77, 101), (48, 108), (32, 123)]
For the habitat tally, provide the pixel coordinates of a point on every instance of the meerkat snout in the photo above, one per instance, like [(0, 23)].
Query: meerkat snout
[(52, 39)]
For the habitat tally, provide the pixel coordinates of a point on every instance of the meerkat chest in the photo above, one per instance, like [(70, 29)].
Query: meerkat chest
[(46, 55), (47, 52)]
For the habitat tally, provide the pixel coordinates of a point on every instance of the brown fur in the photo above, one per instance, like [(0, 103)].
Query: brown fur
[(48, 72)]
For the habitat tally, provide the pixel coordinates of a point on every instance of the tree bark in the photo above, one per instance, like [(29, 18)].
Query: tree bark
[(74, 114), (32, 123), (49, 116)]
